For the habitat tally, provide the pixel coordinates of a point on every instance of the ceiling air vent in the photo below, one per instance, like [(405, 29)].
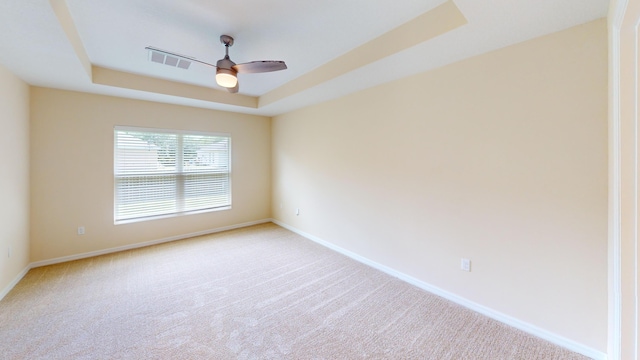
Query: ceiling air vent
[(160, 58)]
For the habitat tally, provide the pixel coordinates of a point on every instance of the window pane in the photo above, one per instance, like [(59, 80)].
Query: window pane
[(206, 153), (138, 152), (145, 195), (206, 190)]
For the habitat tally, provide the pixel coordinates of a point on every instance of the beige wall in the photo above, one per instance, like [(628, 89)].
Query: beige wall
[(501, 158), (72, 170), (14, 177)]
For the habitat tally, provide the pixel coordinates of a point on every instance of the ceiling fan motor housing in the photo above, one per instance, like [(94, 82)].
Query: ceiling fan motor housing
[(225, 63)]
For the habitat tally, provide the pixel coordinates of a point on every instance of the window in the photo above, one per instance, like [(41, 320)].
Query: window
[(169, 172)]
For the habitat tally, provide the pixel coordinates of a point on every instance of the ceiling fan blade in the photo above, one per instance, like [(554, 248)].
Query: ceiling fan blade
[(234, 89), (189, 58), (260, 66)]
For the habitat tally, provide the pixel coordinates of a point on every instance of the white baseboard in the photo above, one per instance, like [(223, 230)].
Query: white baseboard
[(143, 244), (496, 315), (15, 281)]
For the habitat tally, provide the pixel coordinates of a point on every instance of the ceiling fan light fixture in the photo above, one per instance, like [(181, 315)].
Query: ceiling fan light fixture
[(226, 78)]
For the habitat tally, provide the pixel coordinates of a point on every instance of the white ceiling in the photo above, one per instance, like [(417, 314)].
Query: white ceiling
[(305, 34)]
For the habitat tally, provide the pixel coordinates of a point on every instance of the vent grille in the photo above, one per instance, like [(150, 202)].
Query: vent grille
[(184, 64), (160, 58)]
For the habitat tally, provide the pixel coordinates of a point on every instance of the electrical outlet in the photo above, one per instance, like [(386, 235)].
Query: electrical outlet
[(80, 230), (465, 264)]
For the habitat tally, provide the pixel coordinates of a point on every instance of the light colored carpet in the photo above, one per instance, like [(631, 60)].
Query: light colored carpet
[(260, 292)]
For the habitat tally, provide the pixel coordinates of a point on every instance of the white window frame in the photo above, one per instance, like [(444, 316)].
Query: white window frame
[(179, 172)]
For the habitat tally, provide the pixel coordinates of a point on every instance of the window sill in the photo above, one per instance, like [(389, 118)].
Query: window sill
[(158, 217)]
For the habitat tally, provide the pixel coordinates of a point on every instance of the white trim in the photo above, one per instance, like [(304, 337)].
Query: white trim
[(169, 131), (142, 244), (635, 192), (175, 214), (496, 315), (15, 281), (614, 334), (623, 302)]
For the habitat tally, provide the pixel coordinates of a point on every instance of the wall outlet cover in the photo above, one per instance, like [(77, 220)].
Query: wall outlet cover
[(465, 264)]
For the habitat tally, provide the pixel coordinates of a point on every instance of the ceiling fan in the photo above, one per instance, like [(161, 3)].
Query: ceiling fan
[(226, 69)]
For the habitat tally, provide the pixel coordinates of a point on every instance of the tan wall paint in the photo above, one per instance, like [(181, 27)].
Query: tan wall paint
[(14, 178), (501, 158), (72, 170), (123, 79), (437, 21)]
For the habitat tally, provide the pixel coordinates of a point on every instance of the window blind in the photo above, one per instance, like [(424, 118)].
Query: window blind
[(164, 172)]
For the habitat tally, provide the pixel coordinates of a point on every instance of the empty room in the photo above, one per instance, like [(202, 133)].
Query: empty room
[(319, 180)]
